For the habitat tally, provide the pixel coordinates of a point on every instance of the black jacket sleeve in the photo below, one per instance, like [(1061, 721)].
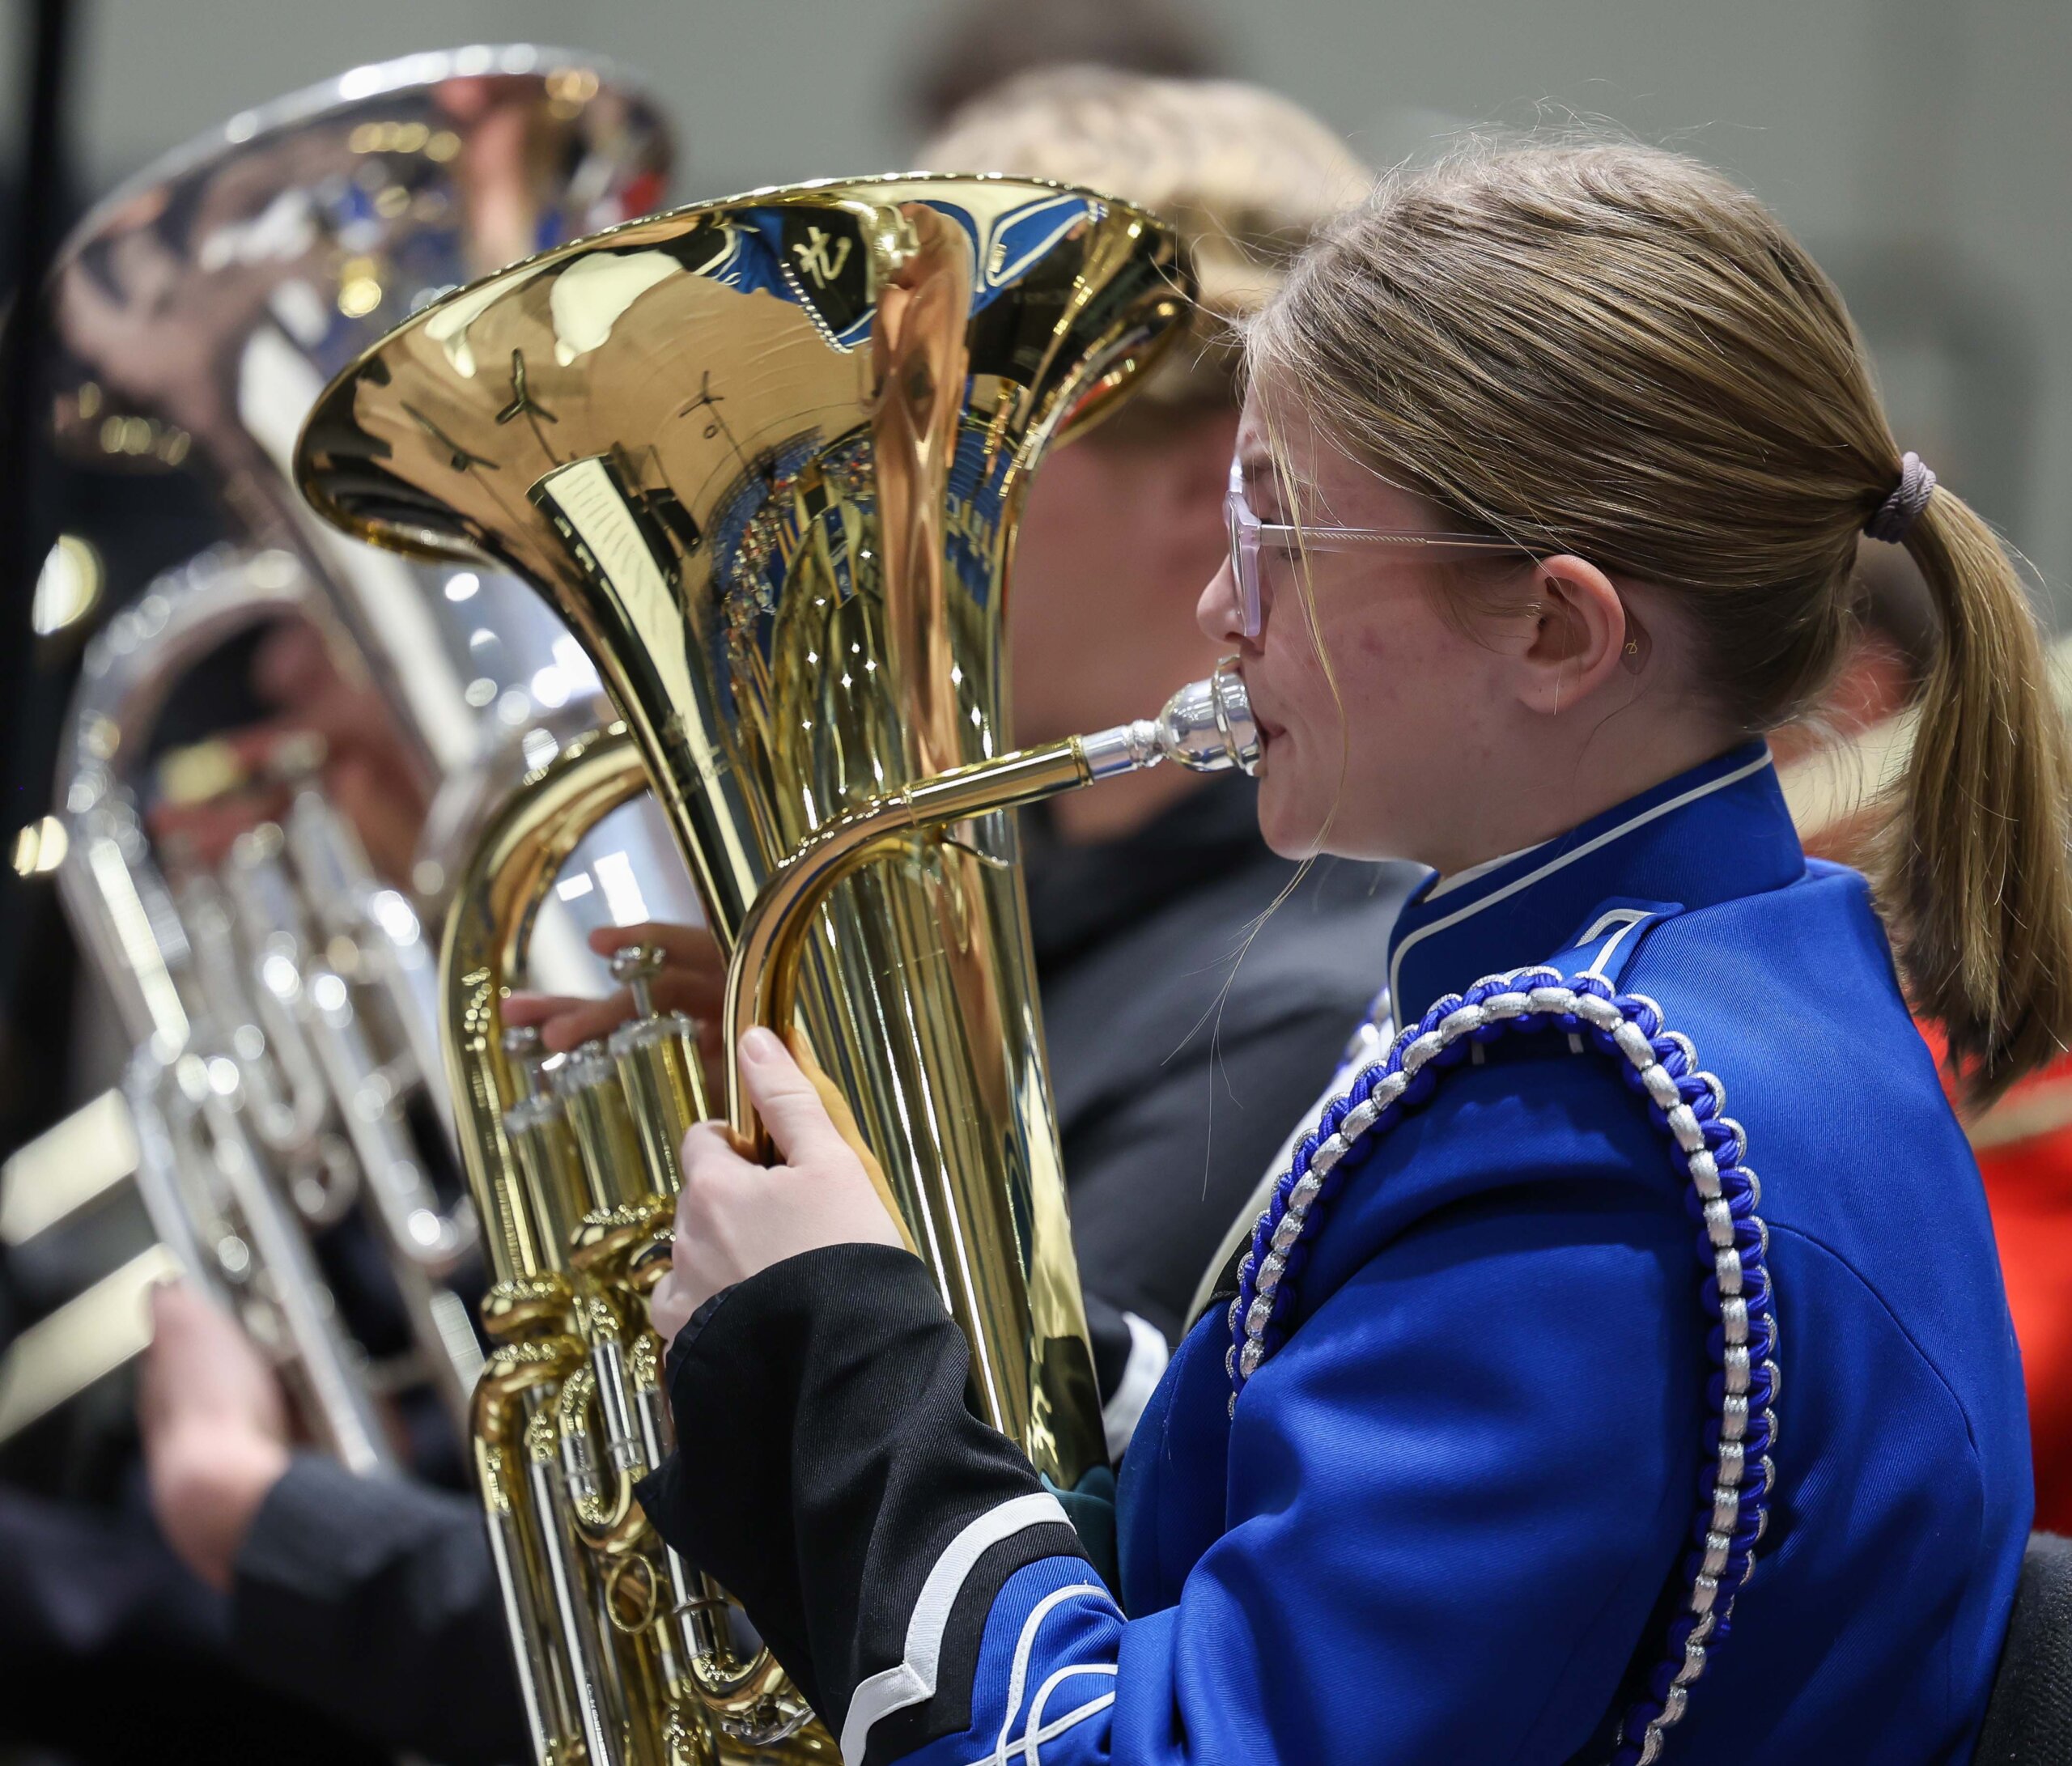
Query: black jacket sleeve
[(851, 1461), (376, 1600)]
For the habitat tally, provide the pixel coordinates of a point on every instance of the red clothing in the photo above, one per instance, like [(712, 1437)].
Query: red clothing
[(2024, 1149)]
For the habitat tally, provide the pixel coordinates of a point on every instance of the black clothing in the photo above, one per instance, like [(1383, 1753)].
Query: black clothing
[(375, 1599), (113, 1650), (1184, 1044), (1178, 1071), (2028, 1721), (114, 1654), (852, 1335)]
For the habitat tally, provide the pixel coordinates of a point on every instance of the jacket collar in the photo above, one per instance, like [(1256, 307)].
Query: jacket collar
[(1719, 831)]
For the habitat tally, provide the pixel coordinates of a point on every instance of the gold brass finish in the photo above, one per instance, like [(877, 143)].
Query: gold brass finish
[(575, 1330), (610, 1629), (494, 901), (762, 979), (765, 457)]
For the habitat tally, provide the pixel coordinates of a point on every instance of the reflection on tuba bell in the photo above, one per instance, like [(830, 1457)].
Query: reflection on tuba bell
[(281, 1004), (777, 448)]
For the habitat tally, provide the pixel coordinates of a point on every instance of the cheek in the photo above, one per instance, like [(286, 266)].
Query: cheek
[(1408, 669), (1411, 700), (1385, 672)]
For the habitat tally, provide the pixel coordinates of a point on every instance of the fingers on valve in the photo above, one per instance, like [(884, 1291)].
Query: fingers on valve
[(709, 1153)]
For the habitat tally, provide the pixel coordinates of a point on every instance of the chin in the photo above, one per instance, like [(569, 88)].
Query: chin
[(1292, 830), (1296, 850)]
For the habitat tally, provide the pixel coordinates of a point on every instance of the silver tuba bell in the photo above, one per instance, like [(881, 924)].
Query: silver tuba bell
[(281, 1003)]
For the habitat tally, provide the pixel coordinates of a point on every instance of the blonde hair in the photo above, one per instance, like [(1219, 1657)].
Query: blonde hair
[(1611, 350), (1245, 176)]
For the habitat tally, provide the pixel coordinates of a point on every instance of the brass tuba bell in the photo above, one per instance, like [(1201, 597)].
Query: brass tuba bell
[(765, 456)]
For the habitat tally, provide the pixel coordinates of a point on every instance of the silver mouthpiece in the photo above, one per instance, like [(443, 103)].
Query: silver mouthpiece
[(1207, 727)]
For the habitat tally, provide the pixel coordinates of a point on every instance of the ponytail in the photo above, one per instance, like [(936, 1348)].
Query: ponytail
[(1973, 868)]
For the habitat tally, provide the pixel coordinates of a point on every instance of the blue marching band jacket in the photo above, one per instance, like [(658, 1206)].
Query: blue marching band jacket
[(1532, 1424)]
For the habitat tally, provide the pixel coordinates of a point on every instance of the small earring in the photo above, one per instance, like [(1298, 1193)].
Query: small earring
[(1633, 648)]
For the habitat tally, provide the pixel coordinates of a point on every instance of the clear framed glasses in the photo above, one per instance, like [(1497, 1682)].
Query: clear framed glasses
[(1249, 534)]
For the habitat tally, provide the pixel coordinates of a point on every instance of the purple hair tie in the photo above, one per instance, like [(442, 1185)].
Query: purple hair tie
[(1895, 515)]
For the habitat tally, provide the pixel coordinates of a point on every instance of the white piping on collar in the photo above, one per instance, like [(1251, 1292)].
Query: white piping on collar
[(1404, 1013), (1625, 920), (1446, 885)]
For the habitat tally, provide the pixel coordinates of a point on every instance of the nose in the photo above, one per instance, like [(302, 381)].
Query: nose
[(1217, 612)]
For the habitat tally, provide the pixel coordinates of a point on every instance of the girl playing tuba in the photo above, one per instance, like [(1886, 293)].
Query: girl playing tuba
[(1551, 474)]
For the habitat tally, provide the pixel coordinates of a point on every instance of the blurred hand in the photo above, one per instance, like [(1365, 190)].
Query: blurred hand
[(215, 1430), (367, 768), (736, 1218), (693, 980)]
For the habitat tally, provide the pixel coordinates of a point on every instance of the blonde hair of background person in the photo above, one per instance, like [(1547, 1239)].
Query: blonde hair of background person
[(1246, 176), (1733, 464)]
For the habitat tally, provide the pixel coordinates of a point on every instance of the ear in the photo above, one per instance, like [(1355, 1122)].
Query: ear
[(1578, 638)]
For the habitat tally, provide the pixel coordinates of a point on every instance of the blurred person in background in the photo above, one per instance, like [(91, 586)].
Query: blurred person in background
[(313, 722), (90, 1596), (2024, 1149), (375, 1600)]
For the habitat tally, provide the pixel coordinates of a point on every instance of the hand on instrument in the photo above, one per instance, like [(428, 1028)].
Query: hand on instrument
[(215, 1430), (736, 1218), (362, 760), (693, 980)]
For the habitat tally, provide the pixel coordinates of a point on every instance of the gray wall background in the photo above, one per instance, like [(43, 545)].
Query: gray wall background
[(1922, 147)]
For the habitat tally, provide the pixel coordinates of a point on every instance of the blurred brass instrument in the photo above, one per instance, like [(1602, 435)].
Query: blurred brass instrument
[(281, 1004), (767, 457)]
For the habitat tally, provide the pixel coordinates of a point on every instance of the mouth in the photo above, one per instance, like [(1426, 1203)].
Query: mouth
[(1265, 725)]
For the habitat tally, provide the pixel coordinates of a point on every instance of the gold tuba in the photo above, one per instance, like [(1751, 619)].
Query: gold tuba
[(765, 456)]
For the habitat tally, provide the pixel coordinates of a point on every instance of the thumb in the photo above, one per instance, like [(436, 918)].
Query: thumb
[(787, 1101), (167, 1304), (668, 1307), (171, 1306)]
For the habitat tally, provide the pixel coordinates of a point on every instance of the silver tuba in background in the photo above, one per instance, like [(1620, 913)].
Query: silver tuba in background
[(278, 995)]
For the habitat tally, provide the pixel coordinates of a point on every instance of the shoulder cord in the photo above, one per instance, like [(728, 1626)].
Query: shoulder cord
[(1707, 1147)]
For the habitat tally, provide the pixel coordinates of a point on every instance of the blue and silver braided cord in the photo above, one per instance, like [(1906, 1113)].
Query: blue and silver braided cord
[(1708, 1148)]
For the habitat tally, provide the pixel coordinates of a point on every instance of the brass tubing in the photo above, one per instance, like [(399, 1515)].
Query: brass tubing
[(337, 1403), (658, 1064), (715, 611), (601, 1732), (762, 978), (763, 989), (498, 894), (512, 1376), (531, 1653)]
